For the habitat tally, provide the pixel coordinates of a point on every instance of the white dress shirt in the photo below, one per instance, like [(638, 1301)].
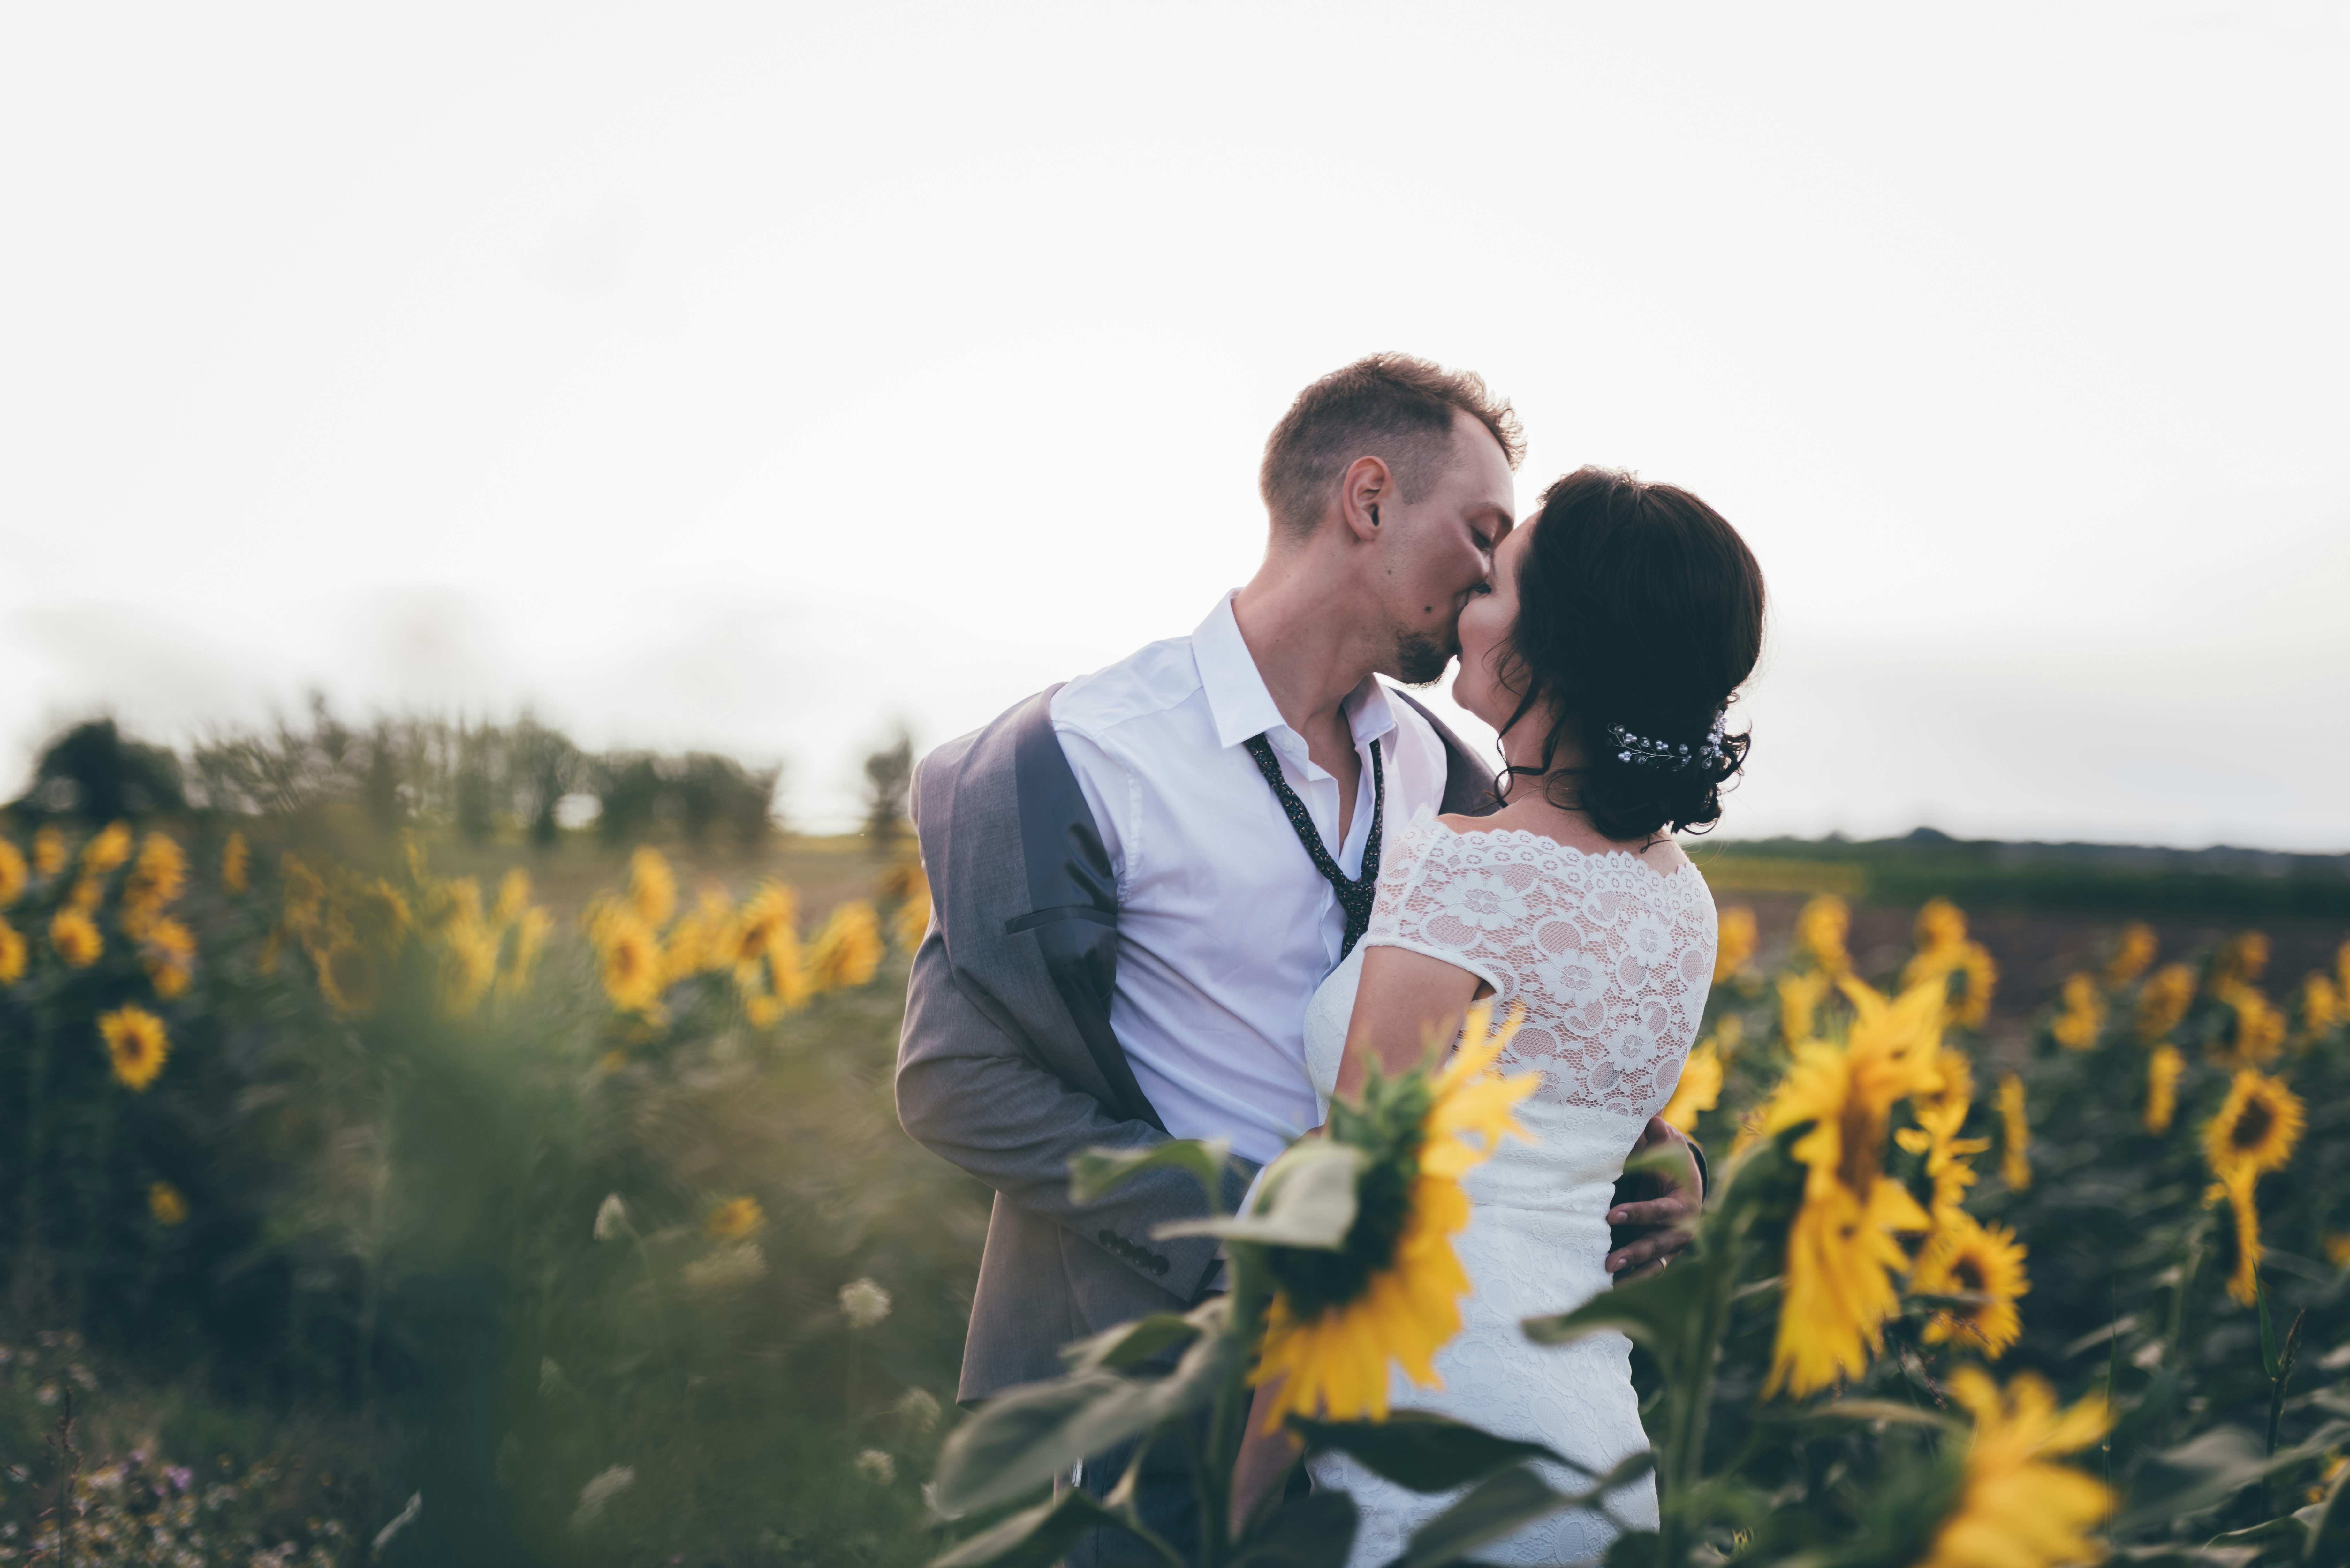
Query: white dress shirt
[(1224, 926)]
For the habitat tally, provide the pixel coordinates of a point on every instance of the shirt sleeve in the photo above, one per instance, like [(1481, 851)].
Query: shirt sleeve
[(1108, 787)]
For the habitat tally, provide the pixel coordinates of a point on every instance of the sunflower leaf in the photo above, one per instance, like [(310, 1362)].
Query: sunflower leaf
[(1316, 1532), (1423, 1450), (1031, 1434), (1036, 1537), (1306, 1200), (1652, 1311), (1501, 1505), (1099, 1171), (1130, 1344)]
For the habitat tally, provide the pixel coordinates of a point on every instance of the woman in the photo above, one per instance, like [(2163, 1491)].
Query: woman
[(1618, 627)]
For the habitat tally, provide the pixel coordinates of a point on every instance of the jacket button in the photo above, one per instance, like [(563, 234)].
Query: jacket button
[(1159, 1266), (1108, 1238)]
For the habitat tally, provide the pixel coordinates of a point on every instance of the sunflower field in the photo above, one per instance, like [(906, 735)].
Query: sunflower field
[(396, 1197)]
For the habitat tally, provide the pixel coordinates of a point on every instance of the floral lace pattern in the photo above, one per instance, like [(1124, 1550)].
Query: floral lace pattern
[(1610, 959)]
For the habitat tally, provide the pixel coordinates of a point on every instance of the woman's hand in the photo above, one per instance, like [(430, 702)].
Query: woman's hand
[(1261, 1470), (1664, 1222)]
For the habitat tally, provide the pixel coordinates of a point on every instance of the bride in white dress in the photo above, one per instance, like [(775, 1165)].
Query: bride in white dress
[(1617, 625)]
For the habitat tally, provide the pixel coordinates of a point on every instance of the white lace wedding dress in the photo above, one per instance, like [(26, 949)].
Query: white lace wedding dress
[(1610, 959)]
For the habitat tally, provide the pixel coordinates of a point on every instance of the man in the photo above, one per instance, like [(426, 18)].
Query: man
[(1139, 877)]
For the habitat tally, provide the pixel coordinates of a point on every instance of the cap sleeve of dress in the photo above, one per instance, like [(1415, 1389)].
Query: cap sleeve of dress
[(1402, 916)]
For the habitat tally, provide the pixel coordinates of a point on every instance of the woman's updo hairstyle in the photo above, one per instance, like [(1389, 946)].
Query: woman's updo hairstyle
[(1639, 616)]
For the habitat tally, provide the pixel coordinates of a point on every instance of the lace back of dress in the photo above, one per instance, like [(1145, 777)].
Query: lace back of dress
[(1609, 959)]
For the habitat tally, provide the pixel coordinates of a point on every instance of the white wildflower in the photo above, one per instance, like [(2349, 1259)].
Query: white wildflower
[(876, 1466), (919, 1407), (598, 1491), (611, 1219), (724, 1268), (864, 1304)]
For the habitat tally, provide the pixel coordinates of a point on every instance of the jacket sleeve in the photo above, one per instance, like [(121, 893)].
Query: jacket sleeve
[(969, 1093)]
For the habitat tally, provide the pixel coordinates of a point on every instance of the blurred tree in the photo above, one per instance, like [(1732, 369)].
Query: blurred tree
[(92, 772), (543, 766), (476, 806), (628, 787), (714, 791), (889, 776)]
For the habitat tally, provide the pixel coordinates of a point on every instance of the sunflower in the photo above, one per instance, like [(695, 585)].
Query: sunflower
[(88, 894), (1940, 924), (2014, 1136), (48, 852), (1391, 1291), (165, 1202), (2321, 1005), (514, 897), (380, 917), (1956, 1070), (2337, 1248), (235, 863), (911, 923), (765, 922), (2081, 1014), (1968, 1257), (171, 955), (2257, 1127), (2162, 1071), (2239, 961), (1837, 1288), (2238, 1188), (1734, 942), (76, 938), (11, 954), (1820, 929), (12, 873), (2132, 954), (1948, 1155), (155, 880), (631, 959), (469, 964), (1800, 996), (107, 850), (2257, 1030), (1841, 1247), (2015, 1510), (522, 959), (652, 887), (845, 953), (305, 894), (735, 1219), (2163, 1001), (349, 978), (1700, 1088), (135, 1043)]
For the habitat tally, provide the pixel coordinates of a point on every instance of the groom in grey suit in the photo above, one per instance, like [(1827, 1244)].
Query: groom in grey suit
[(1135, 890)]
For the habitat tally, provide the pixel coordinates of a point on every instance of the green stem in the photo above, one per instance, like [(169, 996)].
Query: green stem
[(2276, 1405)]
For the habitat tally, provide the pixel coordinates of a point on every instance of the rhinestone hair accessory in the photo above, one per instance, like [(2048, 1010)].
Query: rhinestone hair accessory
[(1639, 749)]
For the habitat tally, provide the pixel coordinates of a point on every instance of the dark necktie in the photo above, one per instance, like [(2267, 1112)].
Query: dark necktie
[(1355, 896)]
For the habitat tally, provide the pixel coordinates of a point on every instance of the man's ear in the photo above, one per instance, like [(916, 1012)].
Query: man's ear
[(1364, 490)]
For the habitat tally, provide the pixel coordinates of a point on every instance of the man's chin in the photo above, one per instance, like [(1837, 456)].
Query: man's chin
[(1421, 659)]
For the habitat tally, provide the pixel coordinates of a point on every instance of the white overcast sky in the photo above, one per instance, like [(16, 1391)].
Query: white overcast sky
[(764, 376)]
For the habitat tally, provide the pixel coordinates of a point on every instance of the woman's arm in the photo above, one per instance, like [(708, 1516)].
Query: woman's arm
[(1264, 1461), (1406, 1000)]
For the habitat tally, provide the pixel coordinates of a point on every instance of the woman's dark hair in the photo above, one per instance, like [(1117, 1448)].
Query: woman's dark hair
[(1639, 615)]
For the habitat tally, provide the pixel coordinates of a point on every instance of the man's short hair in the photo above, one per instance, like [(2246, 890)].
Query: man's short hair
[(1388, 406)]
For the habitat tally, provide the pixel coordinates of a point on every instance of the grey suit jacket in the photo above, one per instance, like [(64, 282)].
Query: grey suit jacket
[(1007, 1065)]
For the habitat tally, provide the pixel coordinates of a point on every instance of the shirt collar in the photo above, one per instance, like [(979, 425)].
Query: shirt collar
[(1238, 699)]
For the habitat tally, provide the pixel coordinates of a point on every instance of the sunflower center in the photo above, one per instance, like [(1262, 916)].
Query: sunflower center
[(1968, 1276), (1862, 1135), (1388, 1130), (2252, 1124)]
